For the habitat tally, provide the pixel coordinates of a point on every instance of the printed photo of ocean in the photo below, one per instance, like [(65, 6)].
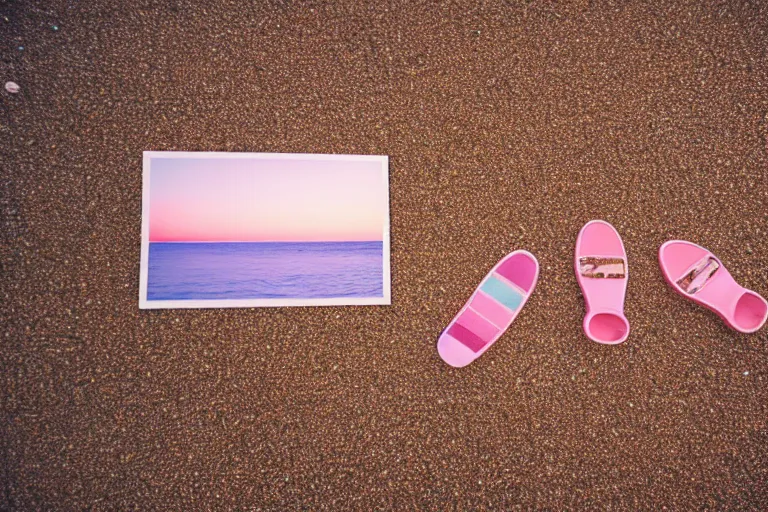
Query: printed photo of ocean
[(264, 270)]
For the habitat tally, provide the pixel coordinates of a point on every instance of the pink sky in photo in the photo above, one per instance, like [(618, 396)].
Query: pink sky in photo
[(246, 200)]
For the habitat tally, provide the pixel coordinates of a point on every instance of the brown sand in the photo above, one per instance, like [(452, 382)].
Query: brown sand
[(509, 124)]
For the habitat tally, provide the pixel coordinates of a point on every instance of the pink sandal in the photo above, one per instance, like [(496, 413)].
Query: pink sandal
[(491, 309), (602, 273), (695, 273)]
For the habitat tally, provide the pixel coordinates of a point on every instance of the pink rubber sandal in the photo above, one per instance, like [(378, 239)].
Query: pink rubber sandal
[(601, 269), (491, 309), (695, 273)]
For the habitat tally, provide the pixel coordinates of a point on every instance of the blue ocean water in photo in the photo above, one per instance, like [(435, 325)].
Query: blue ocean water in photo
[(244, 270)]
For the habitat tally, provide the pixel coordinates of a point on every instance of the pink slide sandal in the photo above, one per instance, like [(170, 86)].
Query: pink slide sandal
[(697, 274), (601, 269), (491, 309)]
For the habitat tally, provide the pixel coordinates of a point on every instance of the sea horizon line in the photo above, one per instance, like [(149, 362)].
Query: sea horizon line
[(263, 241)]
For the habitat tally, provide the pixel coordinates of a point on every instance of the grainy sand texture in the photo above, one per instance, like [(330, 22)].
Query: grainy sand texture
[(509, 124)]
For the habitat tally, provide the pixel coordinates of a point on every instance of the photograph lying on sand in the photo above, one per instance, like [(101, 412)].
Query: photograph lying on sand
[(256, 229)]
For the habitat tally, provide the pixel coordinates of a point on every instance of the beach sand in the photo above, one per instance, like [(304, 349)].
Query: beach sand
[(508, 125)]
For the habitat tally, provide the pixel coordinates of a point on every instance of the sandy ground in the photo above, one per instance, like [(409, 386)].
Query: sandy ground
[(508, 125)]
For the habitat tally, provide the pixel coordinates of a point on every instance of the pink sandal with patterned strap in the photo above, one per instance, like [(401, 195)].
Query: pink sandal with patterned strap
[(601, 270), (695, 273)]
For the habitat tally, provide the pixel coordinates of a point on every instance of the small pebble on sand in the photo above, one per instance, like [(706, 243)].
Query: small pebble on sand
[(12, 87)]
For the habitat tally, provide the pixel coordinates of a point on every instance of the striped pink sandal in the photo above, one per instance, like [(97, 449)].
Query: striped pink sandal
[(491, 309)]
